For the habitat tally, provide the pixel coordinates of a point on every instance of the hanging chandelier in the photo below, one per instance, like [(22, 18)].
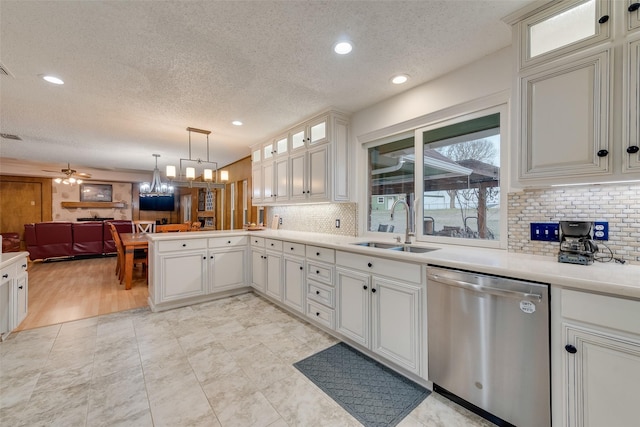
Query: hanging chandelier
[(157, 187), (196, 172)]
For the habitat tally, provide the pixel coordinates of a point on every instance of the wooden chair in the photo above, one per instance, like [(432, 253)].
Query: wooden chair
[(166, 228), (139, 257), (144, 226)]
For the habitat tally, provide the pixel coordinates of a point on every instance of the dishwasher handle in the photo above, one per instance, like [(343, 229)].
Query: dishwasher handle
[(482, 288)]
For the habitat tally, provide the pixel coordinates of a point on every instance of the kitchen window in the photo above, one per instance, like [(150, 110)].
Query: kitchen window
[(454, 195)]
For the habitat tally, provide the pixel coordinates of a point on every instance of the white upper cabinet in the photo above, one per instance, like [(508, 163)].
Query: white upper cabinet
[(633, 15), (566, 27), (576, 115), (318, 156), (631, 155), (566, 135)]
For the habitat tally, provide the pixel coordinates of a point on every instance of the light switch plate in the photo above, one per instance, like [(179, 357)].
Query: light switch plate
[(545, 231)]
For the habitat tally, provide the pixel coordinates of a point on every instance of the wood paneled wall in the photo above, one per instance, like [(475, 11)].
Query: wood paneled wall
[(238, 172), (23, 200)]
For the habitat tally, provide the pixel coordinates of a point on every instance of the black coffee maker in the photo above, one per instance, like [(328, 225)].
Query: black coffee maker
[(576, 242)]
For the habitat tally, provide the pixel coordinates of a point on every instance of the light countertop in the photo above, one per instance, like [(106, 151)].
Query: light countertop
[(609, 278)]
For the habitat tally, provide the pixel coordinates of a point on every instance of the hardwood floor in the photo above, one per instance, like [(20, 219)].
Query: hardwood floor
[(61, 291)]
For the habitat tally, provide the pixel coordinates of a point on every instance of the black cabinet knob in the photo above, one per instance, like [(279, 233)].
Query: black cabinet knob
[(211, 256), (184, 245), (317, 292), (317, 313), (633, 7), (373, 290), (604, 19), (633, 149), (301, 268), (571, 349), (229, 241), (272, 244), (365, 287), (291, 248), (204, 257), (317, 271), (602, 153), (25, 265), (20, 287), (369, 265), (317, 253), (4, 276)]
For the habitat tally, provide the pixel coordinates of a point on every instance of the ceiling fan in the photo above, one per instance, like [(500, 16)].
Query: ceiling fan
[(71, 176)]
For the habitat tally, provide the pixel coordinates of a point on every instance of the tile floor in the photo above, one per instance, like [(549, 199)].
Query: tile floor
[(221, 363)]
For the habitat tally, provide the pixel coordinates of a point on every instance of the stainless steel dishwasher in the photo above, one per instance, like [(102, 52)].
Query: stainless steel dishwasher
[(489, 345)]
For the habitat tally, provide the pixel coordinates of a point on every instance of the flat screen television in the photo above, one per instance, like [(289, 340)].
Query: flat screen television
[(157, 203)]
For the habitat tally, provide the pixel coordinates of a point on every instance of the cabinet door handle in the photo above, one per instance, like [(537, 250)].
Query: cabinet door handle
[(184, 245), (633, 7), (317, 292), (604, 19), (317, 313), (272, 244), (4, 276), (229, 241), (301, 268), (602, 153), (571, 349), (317, 271), (291, 248), (369, 265), (24, 265), (211, 257), (20, 287), (373, 290), (317, 253), (204, 257), (633, 149), (365, 287)]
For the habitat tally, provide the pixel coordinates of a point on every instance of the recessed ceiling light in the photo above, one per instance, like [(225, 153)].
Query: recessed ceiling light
[(342, 48), (399, 79), (237, 123), (53, 79)]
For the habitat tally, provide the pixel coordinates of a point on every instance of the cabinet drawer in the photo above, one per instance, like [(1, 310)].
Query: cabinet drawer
[(221, 242), (321, 293), (8, 273), (293, 248), (273, 245), (400, 270), (320, 272), (182, 245), (321, 314), (610, 312), (257, 241), (321, 254)]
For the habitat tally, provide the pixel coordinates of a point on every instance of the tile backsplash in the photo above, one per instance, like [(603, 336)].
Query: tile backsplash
[(617, 204), (320, 218)]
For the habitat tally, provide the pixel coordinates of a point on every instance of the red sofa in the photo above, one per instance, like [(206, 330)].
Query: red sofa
[(10, 242), (46, 240)]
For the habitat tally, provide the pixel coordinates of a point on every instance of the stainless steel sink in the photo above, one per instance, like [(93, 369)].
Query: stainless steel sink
[(414, 249), (378, 245), (396, 247)]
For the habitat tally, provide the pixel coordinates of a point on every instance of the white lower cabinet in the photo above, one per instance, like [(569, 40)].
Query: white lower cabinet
[(273, 281), (183, 275), (381, 313), (188, 270), (599, 365), (258, 269), (226, 269), (14, 291), (603, 375), (293, 294)]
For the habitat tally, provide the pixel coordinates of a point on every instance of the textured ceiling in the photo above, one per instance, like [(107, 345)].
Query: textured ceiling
[(137, 73)]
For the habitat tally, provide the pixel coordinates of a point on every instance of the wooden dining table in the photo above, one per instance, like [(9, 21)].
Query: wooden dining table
[(131, 242)]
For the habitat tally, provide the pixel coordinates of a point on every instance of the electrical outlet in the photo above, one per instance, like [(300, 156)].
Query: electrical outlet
[(601, 230), (337, 223), (545, 231), (280, 221)]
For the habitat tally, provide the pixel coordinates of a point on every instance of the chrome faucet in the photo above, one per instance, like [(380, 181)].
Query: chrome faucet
[(408, 233)]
